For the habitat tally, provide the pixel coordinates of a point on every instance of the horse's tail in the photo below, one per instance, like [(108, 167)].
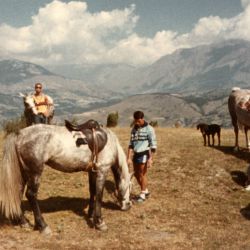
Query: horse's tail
[(11, 181)]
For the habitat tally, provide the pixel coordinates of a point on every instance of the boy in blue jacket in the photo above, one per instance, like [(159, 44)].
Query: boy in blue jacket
[(142, 147)]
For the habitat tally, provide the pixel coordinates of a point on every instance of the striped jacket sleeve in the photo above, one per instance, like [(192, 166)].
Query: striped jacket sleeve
[(152, 138)]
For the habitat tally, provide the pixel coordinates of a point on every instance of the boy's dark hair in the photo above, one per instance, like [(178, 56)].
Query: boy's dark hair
[(138, 115)]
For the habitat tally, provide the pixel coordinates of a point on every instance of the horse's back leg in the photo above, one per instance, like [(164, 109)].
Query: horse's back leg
[(213, 139), (247, 140), (218, 134), (23, 221), (100, 181), (31, 194), (92, 193), (232, 111), (208, 140)]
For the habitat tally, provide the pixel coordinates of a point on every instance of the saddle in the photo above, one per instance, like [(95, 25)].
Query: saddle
[(96, 137)]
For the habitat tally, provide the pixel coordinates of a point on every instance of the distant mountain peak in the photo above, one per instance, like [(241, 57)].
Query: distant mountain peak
[(13, 71)]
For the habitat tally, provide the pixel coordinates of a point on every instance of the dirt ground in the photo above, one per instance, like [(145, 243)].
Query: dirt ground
[(197, 202)]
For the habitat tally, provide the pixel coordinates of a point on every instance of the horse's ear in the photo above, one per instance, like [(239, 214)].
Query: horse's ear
[(21, 94), (70, 126)]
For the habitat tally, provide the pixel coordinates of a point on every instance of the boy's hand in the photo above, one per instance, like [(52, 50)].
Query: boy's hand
[(150, 162)]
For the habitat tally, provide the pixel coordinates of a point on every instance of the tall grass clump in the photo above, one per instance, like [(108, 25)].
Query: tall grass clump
[(14, 125), (153, 123)]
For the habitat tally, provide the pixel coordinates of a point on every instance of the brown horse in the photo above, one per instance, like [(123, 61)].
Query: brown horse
[(238, 103), (30, 109), (207, 130)]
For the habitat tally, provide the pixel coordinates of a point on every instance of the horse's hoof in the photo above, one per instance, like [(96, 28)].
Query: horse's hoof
[(247, 188), (236, 149), (91, 222), (26, 225), (46, 231), (102, 226), (91, 219)]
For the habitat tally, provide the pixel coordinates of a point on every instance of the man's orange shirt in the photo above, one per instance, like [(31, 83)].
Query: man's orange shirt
[(41, 103)]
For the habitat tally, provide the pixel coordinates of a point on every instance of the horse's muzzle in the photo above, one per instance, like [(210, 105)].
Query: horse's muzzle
[(126, 205)]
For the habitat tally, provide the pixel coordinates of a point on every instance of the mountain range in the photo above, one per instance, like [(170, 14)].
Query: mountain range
[(188, 86)]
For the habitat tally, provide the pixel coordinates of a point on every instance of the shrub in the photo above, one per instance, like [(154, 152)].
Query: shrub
[(178, 124), (14, 125), (154, 123), (112, 119)]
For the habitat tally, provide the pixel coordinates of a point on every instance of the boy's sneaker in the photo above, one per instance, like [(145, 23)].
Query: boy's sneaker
[(141, 198), (145, 193)]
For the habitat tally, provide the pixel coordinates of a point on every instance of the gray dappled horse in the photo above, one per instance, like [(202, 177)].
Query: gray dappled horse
[(25, 155), (30, 108), (239, 112)]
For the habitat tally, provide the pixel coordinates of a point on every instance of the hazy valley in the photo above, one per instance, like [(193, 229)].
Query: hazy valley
[(188, 86)]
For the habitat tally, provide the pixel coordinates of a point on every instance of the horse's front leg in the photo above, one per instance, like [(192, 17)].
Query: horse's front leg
[(31, 194), (99, 222), (236, 132), (208, 140), (204, 139), (218, 138)]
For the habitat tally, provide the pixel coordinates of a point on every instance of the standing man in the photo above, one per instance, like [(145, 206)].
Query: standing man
[(141, 150), (41, 103)]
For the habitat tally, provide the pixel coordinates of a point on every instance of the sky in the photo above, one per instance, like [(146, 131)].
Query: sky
[(135, 32)]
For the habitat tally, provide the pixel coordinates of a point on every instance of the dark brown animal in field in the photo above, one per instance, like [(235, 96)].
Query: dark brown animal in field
[(207, 130)]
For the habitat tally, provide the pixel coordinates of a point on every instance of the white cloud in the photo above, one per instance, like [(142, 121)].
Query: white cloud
[(245, 3), (68, 33)]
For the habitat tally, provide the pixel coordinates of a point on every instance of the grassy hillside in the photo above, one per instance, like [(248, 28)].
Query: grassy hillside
[(197, 202)]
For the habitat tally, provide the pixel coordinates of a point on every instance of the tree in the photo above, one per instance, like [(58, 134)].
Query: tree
[(14, 125)]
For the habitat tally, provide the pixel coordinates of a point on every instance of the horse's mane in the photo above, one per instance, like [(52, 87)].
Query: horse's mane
[(121, 160)]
